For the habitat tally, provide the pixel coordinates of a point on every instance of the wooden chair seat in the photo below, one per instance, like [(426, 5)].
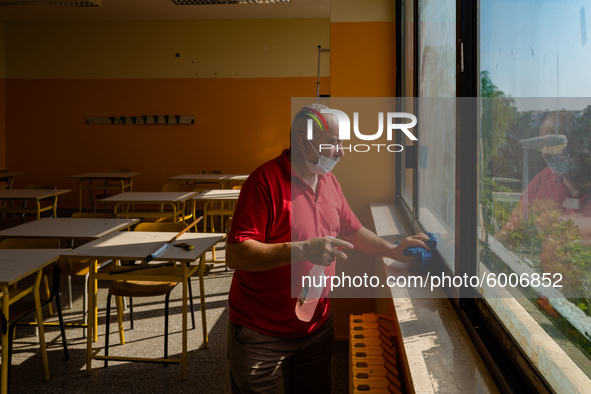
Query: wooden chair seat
[(138, 288)]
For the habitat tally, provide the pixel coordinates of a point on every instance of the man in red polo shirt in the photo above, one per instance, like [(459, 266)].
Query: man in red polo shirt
[(288, 209)]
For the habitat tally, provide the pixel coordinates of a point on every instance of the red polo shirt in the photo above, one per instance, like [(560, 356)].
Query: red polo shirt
[(275, 206), (548, 186)]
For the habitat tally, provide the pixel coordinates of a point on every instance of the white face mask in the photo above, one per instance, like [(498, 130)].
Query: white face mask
[(324, 166)]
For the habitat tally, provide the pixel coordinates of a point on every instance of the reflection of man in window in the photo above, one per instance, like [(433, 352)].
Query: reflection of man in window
[(566, 179), (558, 198)]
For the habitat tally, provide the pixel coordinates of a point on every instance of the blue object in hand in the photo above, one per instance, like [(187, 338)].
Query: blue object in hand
[(423, 255)]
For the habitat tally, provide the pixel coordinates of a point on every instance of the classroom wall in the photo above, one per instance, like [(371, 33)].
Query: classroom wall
[(363, 64), (2, 96), (236, 77)]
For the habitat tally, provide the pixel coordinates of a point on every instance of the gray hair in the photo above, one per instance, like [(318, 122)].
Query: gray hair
[(300, 122)]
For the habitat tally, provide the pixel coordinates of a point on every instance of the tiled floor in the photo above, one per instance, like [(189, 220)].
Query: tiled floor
[(207, 367)]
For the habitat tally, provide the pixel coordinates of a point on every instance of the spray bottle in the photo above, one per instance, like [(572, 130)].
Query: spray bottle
[(311, 293)]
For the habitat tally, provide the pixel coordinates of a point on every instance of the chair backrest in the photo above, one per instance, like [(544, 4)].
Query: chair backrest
[(30, 243), (161, 227), (237, 187), (93, 215), (40, 186), (209, 172), (177, 187)]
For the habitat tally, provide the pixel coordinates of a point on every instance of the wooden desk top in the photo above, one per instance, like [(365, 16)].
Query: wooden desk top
[(16, 264), (149, 197), (8, 174), (209, 177), (71, 228), (136, 245), (218, 195), (105, 175), (26, 194)]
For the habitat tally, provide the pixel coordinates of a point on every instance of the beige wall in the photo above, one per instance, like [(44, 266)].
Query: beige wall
[(207, 49), (362, 11)]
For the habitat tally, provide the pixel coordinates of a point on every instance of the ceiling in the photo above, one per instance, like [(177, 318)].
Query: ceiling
[(165, 10)]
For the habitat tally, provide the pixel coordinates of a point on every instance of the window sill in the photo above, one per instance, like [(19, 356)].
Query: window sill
[(439, 352)]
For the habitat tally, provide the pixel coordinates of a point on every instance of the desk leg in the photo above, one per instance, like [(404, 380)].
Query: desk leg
[(184, 359), (5, 331), (91, 317), (202, 299), (80, 196), (95, 303), (39, 316), (205, 217), (55, 206)]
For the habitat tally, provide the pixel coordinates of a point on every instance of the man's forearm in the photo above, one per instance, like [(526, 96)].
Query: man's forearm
[(252, 255), (369, 243)]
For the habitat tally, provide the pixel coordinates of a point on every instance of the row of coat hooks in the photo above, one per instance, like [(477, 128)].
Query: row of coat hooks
[(144, 119)]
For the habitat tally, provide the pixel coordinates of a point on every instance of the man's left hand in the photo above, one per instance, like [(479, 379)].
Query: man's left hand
[(418, 239)]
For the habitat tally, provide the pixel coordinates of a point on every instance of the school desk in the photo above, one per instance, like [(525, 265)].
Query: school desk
[(135, 245), (125, 182), (223, 179), (16, 264), (7, 177), (36, 195), (177, 200)]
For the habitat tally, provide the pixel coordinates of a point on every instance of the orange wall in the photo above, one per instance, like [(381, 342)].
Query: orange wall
[(2, 96), (2, 123), (363, 64), (239, 124), (363, 59)]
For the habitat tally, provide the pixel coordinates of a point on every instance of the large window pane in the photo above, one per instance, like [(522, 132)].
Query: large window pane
[(437, 133), (535, 179)]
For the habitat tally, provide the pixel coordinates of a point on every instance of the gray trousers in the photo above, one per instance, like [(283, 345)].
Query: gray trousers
[(257, 361)]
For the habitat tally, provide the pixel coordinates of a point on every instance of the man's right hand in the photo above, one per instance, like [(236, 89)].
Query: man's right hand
[(321, 250)]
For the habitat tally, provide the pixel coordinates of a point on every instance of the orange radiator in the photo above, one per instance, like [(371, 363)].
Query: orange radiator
[(373, 356)]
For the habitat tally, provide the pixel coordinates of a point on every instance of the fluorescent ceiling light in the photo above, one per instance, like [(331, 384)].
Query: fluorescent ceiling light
[(50, 3), (197, 2)]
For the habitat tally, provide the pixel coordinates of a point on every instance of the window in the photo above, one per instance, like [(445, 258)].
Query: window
[(535, 173), (524, 204)]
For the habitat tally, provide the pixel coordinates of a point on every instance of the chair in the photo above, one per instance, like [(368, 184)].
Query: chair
[(24, 307), (75, 267), (133, 288), (213, 212), (109, 185)]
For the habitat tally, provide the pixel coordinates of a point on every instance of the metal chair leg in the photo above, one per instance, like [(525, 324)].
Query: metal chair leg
[(191, 301), (70, 290), (166, 326), (55, 293), (107, 330), (131, 312), (11, 333), (85, 306)]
